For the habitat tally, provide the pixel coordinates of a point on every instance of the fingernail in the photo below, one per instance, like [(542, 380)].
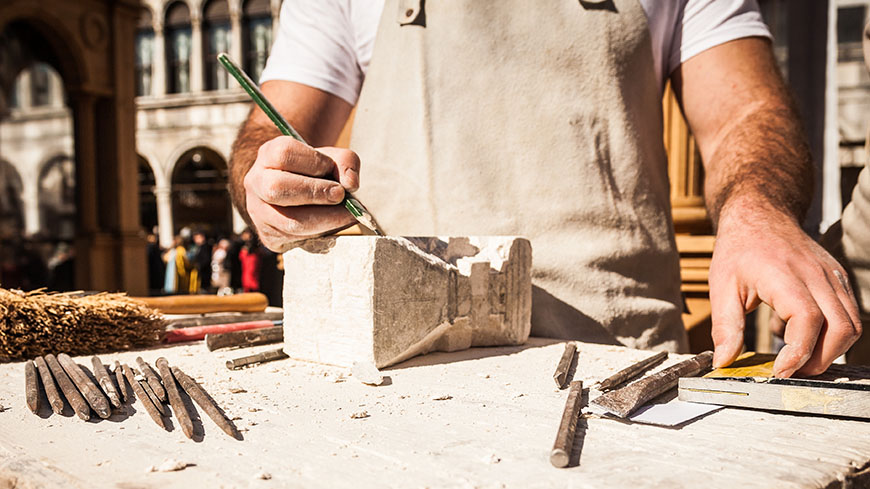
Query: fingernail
[(352, 178), (717, 356), (336, 193)]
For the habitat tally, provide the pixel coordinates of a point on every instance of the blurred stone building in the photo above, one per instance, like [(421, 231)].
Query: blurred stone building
[(187, 114), (853, 84), (189, 109), (86, 75)]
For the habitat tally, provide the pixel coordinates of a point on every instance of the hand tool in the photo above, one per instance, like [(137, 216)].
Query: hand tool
[(51, 392), (146, 387), (37, 323), (78, 403), (266, 356), (201, 397), (143, 397), (175, 397), (842, 390), (241, 339), (223, 318), (359, 212), (152, 378), (196, 333), (561, 373), (631, 371), (624, 401), (561, 453), (31, 387), (88, 389), (119, 376), (203, 304), (774, 394), (105, 381)]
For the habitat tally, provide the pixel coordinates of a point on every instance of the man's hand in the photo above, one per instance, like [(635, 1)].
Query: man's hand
[(758, 186), (292, 191), (285, 189), (792, 274)]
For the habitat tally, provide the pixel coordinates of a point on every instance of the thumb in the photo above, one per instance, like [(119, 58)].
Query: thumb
[(729, 321), (348, 166)]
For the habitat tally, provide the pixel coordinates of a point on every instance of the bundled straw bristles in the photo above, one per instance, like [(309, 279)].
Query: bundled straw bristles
[(37, 323)]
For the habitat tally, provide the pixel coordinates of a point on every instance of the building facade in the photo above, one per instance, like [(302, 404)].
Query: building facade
[(187, 114), (63, 85), (189, 109)]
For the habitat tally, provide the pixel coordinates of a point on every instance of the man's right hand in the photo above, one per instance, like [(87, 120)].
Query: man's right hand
[(294, 191)]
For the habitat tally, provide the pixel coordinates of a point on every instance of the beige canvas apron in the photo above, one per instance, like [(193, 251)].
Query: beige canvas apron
[(533, 118)]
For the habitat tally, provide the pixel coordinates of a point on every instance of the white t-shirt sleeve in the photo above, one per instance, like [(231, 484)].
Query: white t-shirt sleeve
[(325, 44), (708, 23)]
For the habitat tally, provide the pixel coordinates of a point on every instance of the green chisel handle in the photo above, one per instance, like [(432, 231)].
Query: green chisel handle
[(354, 206)]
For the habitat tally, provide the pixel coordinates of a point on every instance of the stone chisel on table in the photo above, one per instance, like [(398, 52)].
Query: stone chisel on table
[(31, 387), (140, 394), (354, 206), (51, 393), (624, 401), (92, 394), (631, 371), (75, 399), (106, 382), (175, 400)]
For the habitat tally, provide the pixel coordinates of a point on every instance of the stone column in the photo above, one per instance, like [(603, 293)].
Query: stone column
[(92, 265), (196, 56), (832, 202), (236, 36), (165, 227), (30, 202), (57, 99), (276, 13), (24, 97), (158, 65)]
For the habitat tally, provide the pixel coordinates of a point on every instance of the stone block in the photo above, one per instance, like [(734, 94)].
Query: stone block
[(386, 299)]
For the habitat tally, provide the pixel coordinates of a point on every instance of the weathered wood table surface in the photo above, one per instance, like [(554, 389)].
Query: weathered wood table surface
[(482, 418)]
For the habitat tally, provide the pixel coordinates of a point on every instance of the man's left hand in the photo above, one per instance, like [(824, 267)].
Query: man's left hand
[(762, 255)]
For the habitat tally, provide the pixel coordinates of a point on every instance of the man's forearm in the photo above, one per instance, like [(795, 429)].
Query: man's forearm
[(762, 163)]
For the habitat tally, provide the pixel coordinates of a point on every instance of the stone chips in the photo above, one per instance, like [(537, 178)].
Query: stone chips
[(37, 323)]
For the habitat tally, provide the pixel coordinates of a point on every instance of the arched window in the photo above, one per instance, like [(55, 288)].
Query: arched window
[(178, 38), (40, 84), (144, 53), (199, 193), (216, 38), (147, 199), (256, 36)]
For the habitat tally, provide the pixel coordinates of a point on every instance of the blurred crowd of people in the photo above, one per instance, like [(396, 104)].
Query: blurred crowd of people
[(36, 262), (200, 264)]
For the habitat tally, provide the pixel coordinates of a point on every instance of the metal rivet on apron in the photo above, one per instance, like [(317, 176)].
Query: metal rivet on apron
[(411, 12)]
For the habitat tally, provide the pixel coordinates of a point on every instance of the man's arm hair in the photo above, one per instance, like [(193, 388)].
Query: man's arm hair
[(752, 143), (318, 116), (251, 136)]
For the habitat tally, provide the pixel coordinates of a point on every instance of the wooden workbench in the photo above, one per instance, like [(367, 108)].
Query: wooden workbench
[(481, 418)]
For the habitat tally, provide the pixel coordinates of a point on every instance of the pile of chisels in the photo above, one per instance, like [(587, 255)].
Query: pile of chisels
[(59, 380)]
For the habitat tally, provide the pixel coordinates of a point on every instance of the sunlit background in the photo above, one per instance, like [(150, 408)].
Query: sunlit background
[(80, 209)]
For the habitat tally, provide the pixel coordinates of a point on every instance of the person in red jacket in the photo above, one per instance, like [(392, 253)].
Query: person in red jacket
[(250, 260)]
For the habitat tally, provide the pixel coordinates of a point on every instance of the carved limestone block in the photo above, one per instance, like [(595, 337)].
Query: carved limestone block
[(386, 299)]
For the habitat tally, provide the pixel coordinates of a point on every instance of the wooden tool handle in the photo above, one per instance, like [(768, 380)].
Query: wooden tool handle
[(202, 304), (196, 333)]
